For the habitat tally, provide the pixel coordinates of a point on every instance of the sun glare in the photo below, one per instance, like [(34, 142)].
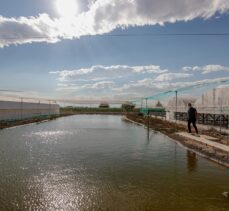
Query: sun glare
[(66, 8)]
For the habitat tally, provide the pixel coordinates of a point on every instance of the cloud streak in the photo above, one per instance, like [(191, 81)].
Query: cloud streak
[(99, 72), (103, 16), (102, 85), (122, 81), (206, 69), (172, 76)]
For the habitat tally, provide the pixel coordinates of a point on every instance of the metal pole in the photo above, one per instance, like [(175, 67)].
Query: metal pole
[(141, 103), (176, 110), (21, 108), (214, 94), (39, 111), (176, 106), (49, 108), (147, 118), (221, 115)]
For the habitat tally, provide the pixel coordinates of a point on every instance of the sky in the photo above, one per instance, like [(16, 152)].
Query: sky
[(111, 49)]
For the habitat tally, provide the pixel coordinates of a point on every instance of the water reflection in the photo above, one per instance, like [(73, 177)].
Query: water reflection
[(150, 134), (191, 161), (103, 163)]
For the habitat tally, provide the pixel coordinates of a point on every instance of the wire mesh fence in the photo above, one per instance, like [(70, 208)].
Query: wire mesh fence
[(14, 107)]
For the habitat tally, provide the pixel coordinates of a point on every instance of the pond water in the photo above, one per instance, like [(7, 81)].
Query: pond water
[(103, 163)]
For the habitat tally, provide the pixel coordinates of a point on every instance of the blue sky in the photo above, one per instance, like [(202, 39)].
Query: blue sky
[(67, 63)]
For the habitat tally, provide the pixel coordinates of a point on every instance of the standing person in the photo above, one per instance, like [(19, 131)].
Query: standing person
[(192, 116)]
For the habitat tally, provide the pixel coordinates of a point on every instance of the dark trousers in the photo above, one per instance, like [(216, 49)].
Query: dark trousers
[(193, 122)]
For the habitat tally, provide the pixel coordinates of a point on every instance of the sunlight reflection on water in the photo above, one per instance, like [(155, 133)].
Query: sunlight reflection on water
[(103, 163)]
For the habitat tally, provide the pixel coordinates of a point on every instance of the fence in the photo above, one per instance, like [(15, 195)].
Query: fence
[(214, 116), (13, 108)]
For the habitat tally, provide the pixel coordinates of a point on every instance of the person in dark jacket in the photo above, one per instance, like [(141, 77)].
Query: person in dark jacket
[(192, 115)]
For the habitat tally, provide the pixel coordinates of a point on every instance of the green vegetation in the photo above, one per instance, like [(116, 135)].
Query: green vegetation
[(88, 110), (128, 106), (104, 105), (35, 119)]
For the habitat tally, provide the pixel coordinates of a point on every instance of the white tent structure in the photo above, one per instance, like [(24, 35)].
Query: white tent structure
[(218, 97)]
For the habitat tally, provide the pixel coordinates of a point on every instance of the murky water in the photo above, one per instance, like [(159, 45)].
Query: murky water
[(103, 163)]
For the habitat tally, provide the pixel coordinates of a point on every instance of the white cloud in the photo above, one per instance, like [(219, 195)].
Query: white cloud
[(99, 72), (122, 80), (207, 68), (102, 85), (27, 30), (172, 76), (103, 16), (226, 86), (150, 88)]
